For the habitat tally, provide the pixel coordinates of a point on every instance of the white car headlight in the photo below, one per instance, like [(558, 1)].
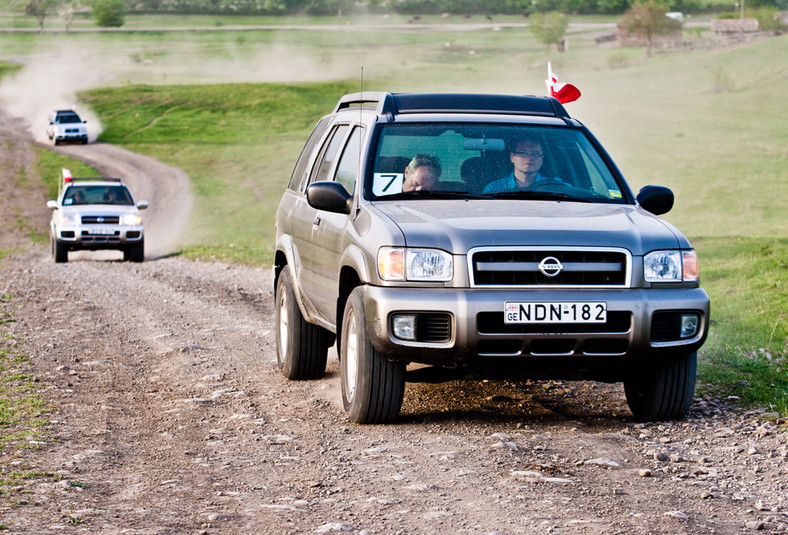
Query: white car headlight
[(671, 266), (131, 220), (64, 218), (403, 263)]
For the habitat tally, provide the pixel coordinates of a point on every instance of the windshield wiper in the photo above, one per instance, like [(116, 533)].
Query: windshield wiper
[(538, 195), (429, 194)]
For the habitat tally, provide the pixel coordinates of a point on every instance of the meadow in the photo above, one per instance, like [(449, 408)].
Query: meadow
[(233, 109)]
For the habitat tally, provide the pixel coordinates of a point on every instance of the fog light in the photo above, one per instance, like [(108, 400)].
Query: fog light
[(404, 326), (689, 325)]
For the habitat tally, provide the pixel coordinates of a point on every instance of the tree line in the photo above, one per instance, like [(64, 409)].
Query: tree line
[(112, 13)]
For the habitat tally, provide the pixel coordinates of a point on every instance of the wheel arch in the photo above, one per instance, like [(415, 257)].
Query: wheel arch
[(283, 259)]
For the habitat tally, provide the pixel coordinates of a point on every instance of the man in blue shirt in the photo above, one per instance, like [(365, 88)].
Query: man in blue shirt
[(527, 157)]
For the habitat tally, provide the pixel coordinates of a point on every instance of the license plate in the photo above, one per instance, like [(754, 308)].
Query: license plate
[(102, 231), (557, 312)]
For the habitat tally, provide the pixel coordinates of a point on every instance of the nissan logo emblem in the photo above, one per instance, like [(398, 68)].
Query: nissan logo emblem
[(550, 266), (101, 220)]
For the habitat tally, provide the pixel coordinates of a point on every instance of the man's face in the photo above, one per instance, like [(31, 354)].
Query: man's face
[(423, 177), (527, 157)]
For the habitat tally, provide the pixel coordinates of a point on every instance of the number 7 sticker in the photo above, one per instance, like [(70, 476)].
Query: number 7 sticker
[(387, 183)]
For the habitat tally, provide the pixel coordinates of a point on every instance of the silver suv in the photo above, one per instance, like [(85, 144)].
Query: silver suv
[(481, 236), (94, 214), (66, 126)]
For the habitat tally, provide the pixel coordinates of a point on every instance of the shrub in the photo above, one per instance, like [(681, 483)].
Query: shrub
[(109, 13)]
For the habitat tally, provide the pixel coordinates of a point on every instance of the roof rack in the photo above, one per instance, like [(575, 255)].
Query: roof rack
[(400, 103), (94, 179), (66, 178)]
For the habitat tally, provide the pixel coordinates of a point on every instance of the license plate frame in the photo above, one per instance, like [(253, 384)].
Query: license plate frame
[(554, 312), (98, 231)]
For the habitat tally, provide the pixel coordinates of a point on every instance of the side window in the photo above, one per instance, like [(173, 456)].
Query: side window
[(298, 178), (329, 154), (348, 169)]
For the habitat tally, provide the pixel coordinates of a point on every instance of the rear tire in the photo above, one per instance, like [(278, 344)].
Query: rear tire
[(301, 347), (59, 251), (372, 386), (662, 390)]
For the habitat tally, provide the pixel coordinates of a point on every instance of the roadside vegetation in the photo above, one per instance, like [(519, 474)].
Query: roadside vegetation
[(23, 410), (705, 122)]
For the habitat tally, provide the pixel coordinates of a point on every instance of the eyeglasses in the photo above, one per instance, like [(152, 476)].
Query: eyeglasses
[(524, 154)]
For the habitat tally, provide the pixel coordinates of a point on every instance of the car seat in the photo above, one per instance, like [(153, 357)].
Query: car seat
[(479, 171)]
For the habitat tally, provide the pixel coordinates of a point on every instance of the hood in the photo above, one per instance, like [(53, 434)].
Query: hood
[(101, 209), (458, 226)]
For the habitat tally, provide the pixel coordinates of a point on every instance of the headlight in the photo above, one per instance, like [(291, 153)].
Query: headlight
[(68, 218), (402, 263), (671, 266), (131, 220)]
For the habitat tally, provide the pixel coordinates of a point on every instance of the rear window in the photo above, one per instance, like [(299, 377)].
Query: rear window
[(479, 160)]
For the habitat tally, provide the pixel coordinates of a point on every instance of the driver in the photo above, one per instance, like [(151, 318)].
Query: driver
[(527, 156)]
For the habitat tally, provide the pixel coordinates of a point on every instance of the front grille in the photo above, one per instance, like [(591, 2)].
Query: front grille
[(501, 339), (583, 267), (100, 219)]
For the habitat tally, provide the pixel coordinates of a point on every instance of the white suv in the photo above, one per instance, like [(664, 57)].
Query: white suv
[(93, 214), (66, 126)]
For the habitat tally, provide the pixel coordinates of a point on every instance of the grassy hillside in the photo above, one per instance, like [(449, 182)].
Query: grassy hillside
[(707, 123)]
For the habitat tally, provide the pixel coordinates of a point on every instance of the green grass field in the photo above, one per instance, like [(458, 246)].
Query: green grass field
[(706, 122)]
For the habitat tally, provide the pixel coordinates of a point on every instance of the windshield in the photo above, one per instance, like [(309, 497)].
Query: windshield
[(68, 118), (76, 195), (490, 162)]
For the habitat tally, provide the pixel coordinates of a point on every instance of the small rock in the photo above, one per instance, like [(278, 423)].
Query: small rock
[(678, 514), (334, 526), (603, 461)]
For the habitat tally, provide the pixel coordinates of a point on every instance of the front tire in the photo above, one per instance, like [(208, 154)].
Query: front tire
[(662, 390), (135, 253), (372, 386), (301, 347), (59, 251)]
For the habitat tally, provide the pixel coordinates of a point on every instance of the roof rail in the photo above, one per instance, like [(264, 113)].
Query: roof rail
[(94, 179), (381, 102), (397, 103)]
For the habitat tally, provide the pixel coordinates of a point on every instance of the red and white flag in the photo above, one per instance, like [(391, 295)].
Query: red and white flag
[(563, 92)]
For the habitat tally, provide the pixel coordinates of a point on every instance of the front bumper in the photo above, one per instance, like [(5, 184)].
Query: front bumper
[(470, 327), (99, 237)]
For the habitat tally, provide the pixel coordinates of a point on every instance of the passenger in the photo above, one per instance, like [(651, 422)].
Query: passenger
[(78, 198), (111, 196), (422, 173), (527, 156)]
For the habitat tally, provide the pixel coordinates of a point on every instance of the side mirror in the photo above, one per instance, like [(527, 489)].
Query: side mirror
[(52, 205), (656, 199), (142, 205), (329, 196)]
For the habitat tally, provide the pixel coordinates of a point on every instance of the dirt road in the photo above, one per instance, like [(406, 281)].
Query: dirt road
[(172, 418)]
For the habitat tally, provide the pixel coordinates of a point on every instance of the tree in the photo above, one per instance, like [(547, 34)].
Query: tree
[(648, 20), (39, 8), (549, 28), (109, 13), (66, 12)]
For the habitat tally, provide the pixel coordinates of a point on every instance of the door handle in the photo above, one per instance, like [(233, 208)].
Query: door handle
[(316, 223)]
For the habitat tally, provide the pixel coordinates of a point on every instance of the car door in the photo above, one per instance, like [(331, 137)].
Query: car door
[(309, 218), (330, 231)]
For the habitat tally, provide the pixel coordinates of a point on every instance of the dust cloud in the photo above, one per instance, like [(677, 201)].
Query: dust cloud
[(46, 82)]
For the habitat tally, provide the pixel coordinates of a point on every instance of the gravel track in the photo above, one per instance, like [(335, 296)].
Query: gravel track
[(172, 417)]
